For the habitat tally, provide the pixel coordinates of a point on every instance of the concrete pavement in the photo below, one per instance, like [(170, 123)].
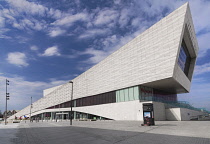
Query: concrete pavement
[(8, 132), (109, 132)]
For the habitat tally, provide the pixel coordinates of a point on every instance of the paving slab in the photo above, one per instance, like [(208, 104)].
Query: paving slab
[(8, 132), (106, 132)]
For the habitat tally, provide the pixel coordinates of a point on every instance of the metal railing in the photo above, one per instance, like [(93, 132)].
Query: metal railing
[(174, 104)]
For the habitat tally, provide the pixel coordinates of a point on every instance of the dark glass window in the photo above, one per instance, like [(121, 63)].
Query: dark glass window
[(162, 96), (184, 59), (104, 98)]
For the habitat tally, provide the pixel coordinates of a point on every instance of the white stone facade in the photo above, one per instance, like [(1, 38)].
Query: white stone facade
[(150, 59)]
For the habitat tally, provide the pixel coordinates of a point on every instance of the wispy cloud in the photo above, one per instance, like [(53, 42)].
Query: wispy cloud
[(201, 69), (96, 55), (200, 12), (28, 7), (204, 44), (34, 48), (108, 27), (199, 95), (20, 15), (30, 24), (21, 39), (25, 15), (106, 16), (124, 17), (56, 32), (105, 46), (69, 20), (91, 33), (51, 51), (18, 59), (2, 21), (21, 90)]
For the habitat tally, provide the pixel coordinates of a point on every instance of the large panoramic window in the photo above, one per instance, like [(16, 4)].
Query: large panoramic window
[(151, 94), (146, 93), (104, 98), (123, 95), (127, 94), (184, 59), (162, 96)]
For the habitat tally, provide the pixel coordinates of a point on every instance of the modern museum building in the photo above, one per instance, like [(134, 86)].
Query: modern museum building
[(152, 68)]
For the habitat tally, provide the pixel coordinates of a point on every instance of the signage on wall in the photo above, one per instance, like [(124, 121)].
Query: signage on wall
[(146, 92)]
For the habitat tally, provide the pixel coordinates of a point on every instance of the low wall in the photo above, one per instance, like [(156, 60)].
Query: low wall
[(188, 114), (159, 111), (183, 114), (173, 114)]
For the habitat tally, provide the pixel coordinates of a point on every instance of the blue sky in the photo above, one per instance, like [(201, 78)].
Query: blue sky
[(48, 43)]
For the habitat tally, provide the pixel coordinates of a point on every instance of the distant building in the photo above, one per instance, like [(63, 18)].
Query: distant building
[(152, 68), (15, 111), (1, 115), (10, 113)]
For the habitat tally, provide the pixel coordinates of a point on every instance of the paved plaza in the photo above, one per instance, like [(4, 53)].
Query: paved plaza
[(106, 132)]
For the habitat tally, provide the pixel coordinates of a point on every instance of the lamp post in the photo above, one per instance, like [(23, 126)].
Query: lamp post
[(30, 109), (71, 102), (7, 98)]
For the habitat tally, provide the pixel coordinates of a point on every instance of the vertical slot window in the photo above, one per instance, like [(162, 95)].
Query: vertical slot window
[(184, 59)]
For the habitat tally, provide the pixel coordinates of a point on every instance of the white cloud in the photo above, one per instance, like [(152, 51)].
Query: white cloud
[(94, 32), (30, 24), (200, 69), (22, 39), (199, 95), (106, 16), (69, 20), (20, 15), (200, 13), (204, 43), (107, 42), (34, 48), (51, 51), (153, 8), (9, 14), (110, 44), (124, 17), (22, 90), (17, 58), (117, 2), (2, 22), (55, 13), (2, 33), (136, 22), (56, 32), (2, 26), (28, 7), (96, 55), (17, 25)]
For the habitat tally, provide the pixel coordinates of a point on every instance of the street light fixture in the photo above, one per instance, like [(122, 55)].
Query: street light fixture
[(71, 102), (30, 109), (7, 98)]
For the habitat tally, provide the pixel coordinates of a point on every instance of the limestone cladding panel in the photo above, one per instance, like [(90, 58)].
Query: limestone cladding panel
[(191, 28), (60, 95), (179, 75), (131, 110), (173, 114), (149, 57), (47, 91)]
